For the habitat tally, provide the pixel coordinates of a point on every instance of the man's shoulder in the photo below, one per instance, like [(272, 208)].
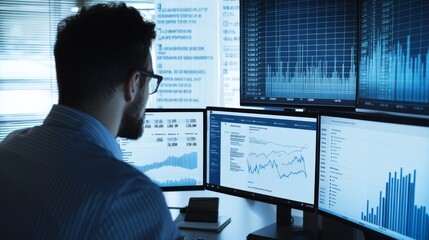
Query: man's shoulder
[(113, 173), (81, 162)]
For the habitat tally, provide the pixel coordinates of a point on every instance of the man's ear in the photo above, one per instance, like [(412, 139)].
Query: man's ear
[(131, 86)]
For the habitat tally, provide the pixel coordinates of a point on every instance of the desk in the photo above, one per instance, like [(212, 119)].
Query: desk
[(246, 215)]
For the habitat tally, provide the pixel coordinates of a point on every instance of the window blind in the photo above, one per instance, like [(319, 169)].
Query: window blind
[(27, 69), (28, 85)]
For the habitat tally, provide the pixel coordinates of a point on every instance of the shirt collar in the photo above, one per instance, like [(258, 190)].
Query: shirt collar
[(87, 125)]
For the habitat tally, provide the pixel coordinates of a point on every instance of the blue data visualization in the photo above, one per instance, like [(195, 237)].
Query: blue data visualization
[(171, 150), (396, 208), (286, 162), (299, 52), (374, 174), (263, 154), (394, 56), (186, 161)]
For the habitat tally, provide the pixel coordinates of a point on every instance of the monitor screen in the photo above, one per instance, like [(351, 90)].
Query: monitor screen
[(374, 173), (171, 150), (196, 48), (394, 57), (298, 53), (262, 155)]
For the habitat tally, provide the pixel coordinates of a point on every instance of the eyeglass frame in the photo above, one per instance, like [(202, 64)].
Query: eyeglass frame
[(152, 75)]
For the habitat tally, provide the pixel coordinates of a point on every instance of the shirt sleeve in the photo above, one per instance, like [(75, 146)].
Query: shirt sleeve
[(138, 212)]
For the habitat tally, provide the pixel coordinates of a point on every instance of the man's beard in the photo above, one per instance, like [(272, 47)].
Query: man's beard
[(132, 123)]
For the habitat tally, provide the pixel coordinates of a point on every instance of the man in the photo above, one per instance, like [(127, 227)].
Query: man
[(65, 179)]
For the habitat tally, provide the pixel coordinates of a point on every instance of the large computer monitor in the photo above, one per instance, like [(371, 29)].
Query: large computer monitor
[(263, 155), (171, 151), (374, 174), (298, 53), (394, 57)]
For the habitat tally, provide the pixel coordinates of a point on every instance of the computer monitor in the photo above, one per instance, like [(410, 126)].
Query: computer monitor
[(263, 155), (394, 57), (374, 174), (298, 53), (196, 50), (171, 151)]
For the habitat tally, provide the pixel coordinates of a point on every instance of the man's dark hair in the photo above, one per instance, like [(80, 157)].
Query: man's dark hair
[(97, 49)]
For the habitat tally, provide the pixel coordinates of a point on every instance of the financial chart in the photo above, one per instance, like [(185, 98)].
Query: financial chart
[(170, 152), (299, 52), (286, 160), (269, 156), (375, 174), (394, 56)]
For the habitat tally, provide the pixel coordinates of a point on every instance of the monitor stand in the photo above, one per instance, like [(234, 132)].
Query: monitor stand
[(368, 235), (282, 229)]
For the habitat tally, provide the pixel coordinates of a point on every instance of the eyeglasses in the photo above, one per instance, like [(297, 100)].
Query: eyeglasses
[(154, 80)]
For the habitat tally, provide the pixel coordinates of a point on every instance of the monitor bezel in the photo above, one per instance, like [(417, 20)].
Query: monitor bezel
[(378, 117), (184, 110), (263, 197)]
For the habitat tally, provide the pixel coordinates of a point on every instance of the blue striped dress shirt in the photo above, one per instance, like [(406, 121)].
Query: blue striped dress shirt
[(65, 180)]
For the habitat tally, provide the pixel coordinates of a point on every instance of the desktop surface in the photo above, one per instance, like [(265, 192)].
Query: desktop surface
[(247, 216)]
